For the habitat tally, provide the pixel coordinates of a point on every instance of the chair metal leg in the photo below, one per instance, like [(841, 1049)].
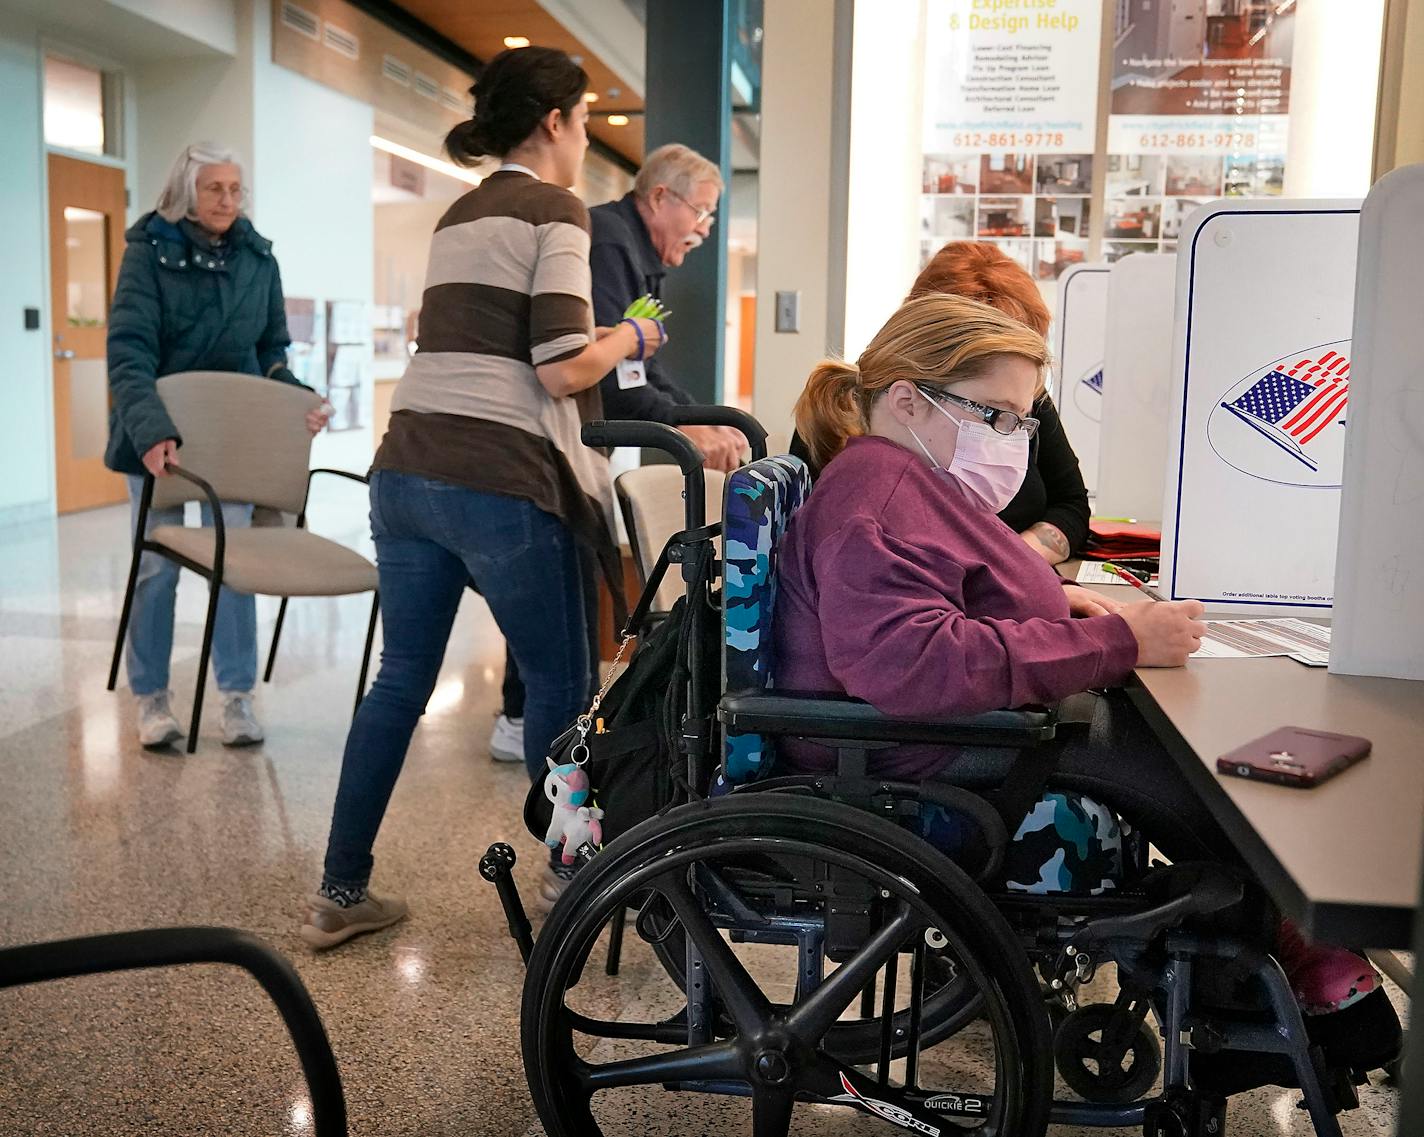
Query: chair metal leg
[(615, 941), (124, 617), (276, 636), (366, 655), (1394, 967), (214, 591)]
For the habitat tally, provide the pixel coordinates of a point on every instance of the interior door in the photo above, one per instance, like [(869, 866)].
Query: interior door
[(86, 242)]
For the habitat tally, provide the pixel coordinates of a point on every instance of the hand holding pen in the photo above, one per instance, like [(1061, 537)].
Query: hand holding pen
[(1166, 632)]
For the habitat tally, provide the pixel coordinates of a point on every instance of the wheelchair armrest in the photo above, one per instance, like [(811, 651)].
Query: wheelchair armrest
[(810, 716)]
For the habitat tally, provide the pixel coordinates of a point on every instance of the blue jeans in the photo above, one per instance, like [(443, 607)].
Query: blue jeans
[(432, 537), (151, 619)]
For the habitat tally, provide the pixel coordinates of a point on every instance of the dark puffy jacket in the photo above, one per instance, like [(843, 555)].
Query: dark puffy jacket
[(184, 305)]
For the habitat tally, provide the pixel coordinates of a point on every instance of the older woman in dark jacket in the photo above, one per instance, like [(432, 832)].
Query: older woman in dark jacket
[(198, 291)]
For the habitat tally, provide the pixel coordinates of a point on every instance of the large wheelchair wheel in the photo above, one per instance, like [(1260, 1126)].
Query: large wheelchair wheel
[(734, 1032)]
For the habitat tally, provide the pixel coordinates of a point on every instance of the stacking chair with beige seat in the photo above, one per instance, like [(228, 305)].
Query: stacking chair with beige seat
[(245, 440), (651, 501)]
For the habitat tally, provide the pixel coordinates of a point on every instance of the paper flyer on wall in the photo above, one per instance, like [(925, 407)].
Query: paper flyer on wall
[(1010, 120), (1199, 110)]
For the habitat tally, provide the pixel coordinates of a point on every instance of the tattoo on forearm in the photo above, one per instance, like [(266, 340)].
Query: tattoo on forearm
[(1052, 537)]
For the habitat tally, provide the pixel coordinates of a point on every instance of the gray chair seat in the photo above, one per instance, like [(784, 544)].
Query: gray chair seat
[(274, 562)]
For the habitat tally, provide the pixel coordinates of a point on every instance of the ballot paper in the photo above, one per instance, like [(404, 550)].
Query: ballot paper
[(1092, 572), (1301, 640)]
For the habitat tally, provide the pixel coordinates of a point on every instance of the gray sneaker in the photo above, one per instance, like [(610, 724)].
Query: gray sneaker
[(328, 924), (156, 724), (239, 724)]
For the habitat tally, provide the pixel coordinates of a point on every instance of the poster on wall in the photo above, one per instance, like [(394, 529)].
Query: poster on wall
[(1199, 110), (1010, 121), (1261, 393)]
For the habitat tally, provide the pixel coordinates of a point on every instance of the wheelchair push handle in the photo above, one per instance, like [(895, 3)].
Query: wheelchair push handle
[(651, 435), (716, 415), (656, 436)]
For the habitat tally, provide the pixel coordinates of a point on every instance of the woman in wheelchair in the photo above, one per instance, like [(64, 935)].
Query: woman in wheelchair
[(899, 586)]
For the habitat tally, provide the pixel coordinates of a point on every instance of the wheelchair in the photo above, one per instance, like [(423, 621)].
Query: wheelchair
[(821, 949)]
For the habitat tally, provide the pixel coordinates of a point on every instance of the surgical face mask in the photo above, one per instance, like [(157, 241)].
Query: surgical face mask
[(989, 464)]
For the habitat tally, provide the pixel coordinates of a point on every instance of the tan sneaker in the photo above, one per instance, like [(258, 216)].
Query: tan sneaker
[(328, 924)]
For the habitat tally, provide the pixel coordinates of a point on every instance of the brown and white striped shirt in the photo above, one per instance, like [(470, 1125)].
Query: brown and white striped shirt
[(508, 288)]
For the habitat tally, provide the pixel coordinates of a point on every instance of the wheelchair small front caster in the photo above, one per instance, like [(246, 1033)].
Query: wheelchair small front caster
[(1106, 1056), (1183, 1113)]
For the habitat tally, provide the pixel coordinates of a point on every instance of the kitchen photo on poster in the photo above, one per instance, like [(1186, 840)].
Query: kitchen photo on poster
[(1201, 77)]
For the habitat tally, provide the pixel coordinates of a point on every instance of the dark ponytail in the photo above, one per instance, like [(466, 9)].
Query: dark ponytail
[(514, 92)]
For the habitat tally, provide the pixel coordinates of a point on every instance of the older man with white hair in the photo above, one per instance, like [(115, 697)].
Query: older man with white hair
[(636, 240)]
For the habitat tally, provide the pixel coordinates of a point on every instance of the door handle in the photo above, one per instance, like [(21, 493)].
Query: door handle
[(64, 353)]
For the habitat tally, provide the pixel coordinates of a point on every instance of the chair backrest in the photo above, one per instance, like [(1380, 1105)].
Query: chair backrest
[(760, 499), (242, 434), (651, 498)]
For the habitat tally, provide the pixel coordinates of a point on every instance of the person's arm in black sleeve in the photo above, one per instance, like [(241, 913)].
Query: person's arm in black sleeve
[(1067, 505), (616, 284)]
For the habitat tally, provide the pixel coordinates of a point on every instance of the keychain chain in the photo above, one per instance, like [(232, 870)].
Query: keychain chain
[(579, 753)]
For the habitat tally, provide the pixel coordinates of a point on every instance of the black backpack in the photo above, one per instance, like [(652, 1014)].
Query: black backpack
[(635, 762)]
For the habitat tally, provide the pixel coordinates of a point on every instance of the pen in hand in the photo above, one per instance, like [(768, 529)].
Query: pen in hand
[(1123, 575)]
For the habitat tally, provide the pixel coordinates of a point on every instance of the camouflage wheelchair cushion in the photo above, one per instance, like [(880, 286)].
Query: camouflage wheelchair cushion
[(1068, 843)]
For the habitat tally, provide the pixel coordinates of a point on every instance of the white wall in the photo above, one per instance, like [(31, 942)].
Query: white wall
[(26, 427), (312, 179), (887, 93), (182, 101), (794, 216), (1334, 89), (213, 23)]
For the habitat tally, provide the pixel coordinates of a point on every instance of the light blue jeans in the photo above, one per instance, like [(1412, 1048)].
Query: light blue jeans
[(151, 620)]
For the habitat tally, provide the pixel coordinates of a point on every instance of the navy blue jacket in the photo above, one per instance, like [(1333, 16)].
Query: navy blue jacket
[(183, 304), (625, 265)]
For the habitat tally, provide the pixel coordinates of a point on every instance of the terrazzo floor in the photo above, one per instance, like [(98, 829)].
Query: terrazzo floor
[(98, 835)]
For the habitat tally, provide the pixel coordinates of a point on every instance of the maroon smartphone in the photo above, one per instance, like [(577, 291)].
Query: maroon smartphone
[(1294, 756)]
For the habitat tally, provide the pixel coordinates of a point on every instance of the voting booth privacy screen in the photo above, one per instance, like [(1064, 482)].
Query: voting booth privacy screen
[(1137, 377), (1260, 397), (1082, 332), (1379, 607)]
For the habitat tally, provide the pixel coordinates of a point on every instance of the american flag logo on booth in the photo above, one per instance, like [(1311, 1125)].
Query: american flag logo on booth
[(1296, 402), (1284, 422), (1088, 393)]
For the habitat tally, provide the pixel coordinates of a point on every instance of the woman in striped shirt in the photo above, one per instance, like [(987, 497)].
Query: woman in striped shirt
[(481, 474)]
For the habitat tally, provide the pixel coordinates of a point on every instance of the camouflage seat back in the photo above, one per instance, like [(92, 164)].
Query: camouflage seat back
[(760, 499)]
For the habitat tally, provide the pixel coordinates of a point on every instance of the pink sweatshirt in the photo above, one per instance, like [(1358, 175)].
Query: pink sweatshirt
[(899, 587)]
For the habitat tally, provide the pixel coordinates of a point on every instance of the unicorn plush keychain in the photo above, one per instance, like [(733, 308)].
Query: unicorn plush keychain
[(577, 821)]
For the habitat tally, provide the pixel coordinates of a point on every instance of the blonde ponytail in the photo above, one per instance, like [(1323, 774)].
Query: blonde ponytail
[(828, 414), (935, 339)]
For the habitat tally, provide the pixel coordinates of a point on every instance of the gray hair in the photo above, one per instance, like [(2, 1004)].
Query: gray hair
[(678, 167), (180, 191)]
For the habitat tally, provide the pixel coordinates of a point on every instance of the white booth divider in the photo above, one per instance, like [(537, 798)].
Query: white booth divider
[(1379, 577), (1261, 378), (1082, 335), (1137, 370)]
